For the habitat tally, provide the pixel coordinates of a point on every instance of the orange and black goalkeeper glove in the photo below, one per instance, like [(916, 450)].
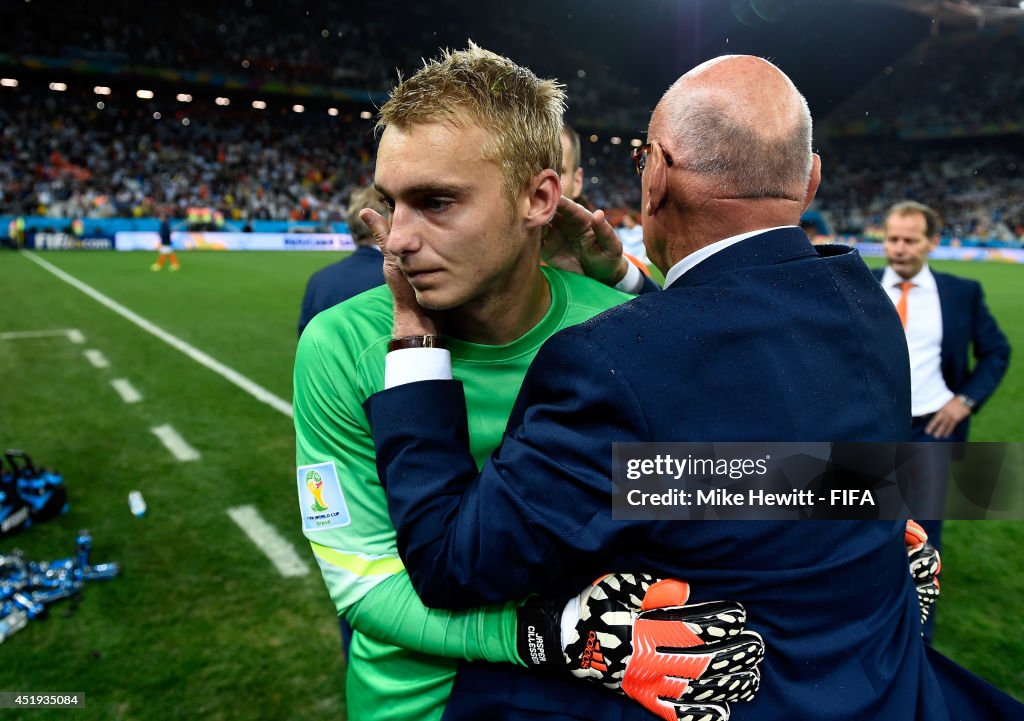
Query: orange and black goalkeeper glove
[(925, 565), (633, 634)]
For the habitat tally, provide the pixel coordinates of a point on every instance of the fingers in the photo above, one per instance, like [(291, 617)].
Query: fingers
[(708, 622), (571, 211), (667, 592), (628, 589), (377, 224), (940, 426), (946, 419), (730, 687), (605, 234), (737, 655), (925, 562), (914, 536), (702, 712), (740, 654)]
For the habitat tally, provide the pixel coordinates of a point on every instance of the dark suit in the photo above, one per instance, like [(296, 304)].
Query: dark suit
[(765, 340), (359, 272), (967, 323)]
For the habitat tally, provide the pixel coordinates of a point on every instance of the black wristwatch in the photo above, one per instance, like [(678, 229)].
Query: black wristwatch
[(416, 341)]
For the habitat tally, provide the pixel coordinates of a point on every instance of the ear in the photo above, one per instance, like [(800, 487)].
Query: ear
[(815, 180), (539, 200), (933, 243), (577, 179), (656, 175)]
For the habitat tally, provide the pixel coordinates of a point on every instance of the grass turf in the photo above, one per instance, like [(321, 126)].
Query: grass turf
[(200, 624)]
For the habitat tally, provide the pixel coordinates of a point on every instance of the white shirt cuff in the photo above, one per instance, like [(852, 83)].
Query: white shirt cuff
[(409, 365), (632, 281)]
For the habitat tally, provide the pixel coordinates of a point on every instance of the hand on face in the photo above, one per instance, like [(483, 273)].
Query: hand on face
[(409, 317)]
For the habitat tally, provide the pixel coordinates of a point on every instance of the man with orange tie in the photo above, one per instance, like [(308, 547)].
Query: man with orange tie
[(943, 315)]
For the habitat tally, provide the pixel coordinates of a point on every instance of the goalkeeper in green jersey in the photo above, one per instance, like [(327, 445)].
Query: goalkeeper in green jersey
[(468, 166)]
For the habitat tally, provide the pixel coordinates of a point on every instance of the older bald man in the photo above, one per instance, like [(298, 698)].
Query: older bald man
[(758, 336)]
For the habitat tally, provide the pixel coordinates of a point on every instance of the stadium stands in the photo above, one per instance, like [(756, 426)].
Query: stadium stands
[(943, 108)]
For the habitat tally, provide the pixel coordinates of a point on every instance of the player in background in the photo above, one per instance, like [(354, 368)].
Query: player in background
[(166, 250)]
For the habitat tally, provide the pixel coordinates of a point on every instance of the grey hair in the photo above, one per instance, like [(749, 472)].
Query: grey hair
[(737, 157)]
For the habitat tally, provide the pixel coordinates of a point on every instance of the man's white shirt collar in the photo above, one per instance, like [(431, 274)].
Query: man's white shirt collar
[(677, 270), (923, 279)]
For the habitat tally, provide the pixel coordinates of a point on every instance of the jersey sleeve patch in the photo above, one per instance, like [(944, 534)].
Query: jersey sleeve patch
[(321, 501)]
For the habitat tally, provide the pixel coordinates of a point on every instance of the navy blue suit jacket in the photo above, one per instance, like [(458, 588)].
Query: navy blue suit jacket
[(360, 271), (766, 340), (967, 324)]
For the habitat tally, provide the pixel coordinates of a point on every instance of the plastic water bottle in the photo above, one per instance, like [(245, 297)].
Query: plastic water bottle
[(137, 503), (83, 544)]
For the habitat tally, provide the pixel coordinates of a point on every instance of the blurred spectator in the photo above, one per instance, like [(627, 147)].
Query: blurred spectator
[(360, 271), (572, 173)]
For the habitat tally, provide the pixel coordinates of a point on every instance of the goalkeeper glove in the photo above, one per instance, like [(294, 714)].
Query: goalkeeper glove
[(925, 565), (632, 634)]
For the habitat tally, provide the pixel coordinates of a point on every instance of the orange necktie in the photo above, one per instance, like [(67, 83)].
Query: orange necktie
[(901, 306)]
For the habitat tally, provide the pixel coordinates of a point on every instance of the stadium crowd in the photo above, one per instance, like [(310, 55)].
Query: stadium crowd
[(330, 44), (63, 156), (74, 154), (962, 84), (978, 185)]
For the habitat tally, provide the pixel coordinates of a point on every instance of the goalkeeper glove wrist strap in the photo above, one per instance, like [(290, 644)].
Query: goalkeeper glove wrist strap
[(539, 635)]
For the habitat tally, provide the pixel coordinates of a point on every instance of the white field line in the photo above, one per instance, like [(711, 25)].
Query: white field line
[(277, 549), (73, 334), (280, 552), (126, 390), (231, 375), (177, 445), (97, 358)]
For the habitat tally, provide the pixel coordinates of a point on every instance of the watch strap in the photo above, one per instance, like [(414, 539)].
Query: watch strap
[(416, 341)]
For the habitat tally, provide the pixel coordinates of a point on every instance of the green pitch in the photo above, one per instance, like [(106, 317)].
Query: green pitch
[(202, 624)]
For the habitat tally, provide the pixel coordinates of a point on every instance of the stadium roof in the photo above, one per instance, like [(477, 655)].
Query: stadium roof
[(961, 12)]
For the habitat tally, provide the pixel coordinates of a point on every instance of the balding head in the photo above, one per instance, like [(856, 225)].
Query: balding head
[(741, 123), (730, 153)]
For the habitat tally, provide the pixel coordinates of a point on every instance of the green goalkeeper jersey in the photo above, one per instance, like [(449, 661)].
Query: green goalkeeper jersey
[(403, 656)]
